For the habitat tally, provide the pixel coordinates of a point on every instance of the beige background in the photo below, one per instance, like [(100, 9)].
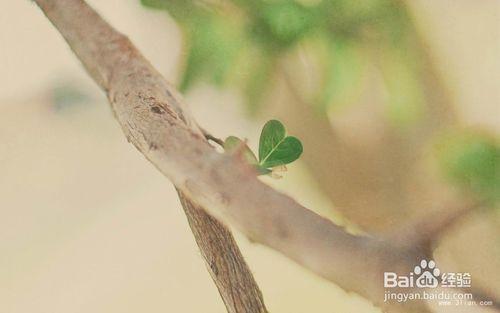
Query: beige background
[(87, 225)]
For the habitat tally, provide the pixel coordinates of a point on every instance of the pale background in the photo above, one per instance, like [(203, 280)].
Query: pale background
[(87, 225)]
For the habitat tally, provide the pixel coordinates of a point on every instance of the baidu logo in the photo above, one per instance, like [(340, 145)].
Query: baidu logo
[(428, 274), (424, 275), (423, 283)]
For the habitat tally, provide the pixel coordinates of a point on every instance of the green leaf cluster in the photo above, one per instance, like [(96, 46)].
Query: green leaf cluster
[(241, 43), (275, 148)]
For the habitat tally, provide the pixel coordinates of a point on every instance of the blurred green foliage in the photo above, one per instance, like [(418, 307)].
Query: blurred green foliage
[(472, 160), (241, 42)]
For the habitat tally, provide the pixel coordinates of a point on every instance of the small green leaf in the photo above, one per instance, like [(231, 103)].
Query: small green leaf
[(275, 148), (233, 144), (272, 133)]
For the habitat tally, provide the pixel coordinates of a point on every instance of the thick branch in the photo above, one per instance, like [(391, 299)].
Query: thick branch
[(89, 36), (156, 122)]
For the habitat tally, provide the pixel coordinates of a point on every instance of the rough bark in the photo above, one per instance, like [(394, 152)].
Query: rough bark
[(224, 261), (156, 122), (154, 119), (90, 37)]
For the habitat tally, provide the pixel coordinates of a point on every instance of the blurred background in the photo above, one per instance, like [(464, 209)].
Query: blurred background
[(396, 102)]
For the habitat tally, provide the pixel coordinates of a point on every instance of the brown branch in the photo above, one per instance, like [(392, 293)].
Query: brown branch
[(224, 261), (89, 36), (156, 122), (211, 137), (427, 231)]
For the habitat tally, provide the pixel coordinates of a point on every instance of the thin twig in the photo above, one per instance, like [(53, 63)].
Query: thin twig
[(211, 137)]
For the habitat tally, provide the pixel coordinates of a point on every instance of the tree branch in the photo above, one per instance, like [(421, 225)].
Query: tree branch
[(154, 119), (90, 37), (224, 261), (428, 230), (211, 137)]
